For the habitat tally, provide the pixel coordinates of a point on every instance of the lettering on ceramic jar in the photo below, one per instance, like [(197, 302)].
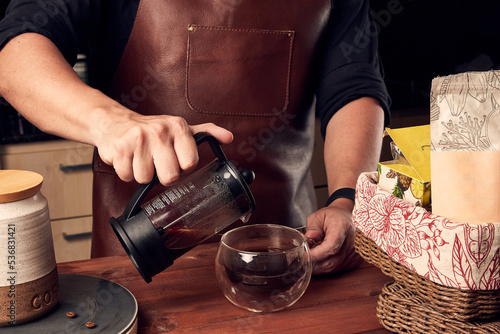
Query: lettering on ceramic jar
[(46, 299)]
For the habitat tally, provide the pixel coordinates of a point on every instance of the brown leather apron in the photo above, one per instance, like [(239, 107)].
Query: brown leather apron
[(243, 65)]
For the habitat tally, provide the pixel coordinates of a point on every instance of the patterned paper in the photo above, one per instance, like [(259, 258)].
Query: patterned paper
[(465, 147), (465, 112), (452, 254)]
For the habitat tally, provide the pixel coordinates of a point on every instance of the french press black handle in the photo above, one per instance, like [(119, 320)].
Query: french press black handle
[(133, 206)]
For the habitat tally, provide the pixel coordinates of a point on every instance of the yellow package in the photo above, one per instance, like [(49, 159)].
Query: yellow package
[(408, 175)]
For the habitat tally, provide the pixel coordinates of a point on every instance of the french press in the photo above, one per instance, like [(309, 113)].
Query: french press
[(155, 233)]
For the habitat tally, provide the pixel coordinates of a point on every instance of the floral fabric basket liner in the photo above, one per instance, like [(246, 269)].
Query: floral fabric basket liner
[(456, 255)]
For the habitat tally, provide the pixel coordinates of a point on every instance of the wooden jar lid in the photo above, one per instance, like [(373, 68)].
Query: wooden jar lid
[(16, 185)]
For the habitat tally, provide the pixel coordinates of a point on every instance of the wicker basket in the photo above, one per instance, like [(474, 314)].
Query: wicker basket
[(400, 310), (451, 303)]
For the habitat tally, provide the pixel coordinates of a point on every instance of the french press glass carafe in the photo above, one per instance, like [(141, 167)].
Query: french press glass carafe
[(185, 214)]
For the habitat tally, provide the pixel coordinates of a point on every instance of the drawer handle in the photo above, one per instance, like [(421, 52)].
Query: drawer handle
[(73, 168), (76, 236)]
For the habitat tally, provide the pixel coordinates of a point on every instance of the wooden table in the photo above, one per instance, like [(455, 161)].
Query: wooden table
[(186, 298)]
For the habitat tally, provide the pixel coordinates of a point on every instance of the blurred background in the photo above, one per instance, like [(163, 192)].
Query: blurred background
[(420, 40)]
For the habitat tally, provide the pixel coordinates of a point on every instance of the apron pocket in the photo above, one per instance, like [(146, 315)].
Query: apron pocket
[(238, 71)]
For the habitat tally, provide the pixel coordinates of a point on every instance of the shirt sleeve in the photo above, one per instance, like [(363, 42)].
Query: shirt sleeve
[(67, 23), (350, 67)]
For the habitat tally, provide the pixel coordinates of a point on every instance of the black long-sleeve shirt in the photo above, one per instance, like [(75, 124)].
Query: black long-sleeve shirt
[(349, 68)]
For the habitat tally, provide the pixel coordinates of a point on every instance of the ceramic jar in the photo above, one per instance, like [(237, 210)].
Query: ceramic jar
[(29, 285)]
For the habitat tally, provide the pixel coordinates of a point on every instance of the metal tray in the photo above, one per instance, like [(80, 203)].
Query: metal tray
[(110, 306)]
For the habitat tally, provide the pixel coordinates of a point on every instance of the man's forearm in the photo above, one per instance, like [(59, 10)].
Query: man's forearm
[(39, 83), (353, 142)]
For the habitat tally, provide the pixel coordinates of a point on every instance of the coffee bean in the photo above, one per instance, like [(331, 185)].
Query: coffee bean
[(70, 314), (90, 324)]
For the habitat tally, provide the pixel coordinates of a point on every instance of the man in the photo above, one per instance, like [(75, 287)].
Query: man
[(246, 72)]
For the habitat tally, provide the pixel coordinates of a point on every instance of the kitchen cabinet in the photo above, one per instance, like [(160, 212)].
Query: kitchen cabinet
[(72, 238), (67, 185)]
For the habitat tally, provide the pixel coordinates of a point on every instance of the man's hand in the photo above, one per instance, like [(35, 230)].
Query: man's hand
[(137, 146), (332, 233)]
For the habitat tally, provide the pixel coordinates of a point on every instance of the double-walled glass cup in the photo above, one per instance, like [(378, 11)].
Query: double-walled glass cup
[(263, 268)]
